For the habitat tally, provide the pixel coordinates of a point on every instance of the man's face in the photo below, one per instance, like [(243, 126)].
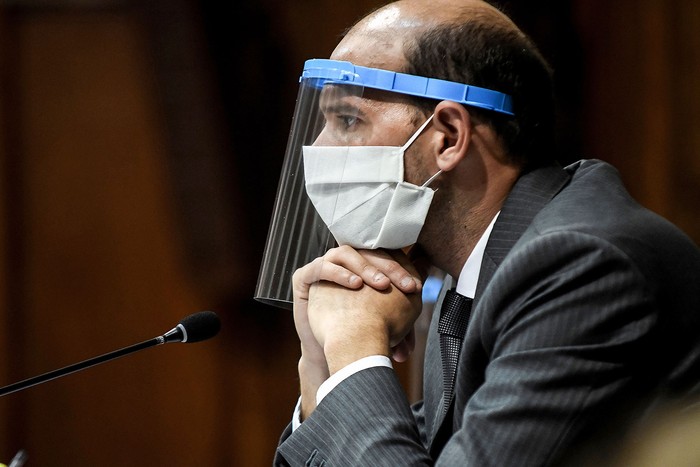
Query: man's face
[(356, 117)]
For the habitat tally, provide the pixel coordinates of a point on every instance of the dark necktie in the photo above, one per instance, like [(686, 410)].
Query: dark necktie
[(452, 326)]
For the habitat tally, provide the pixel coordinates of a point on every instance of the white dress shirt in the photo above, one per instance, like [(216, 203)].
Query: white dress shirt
[(466, 285)]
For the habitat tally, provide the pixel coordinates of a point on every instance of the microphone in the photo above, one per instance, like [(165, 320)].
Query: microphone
[(193, 328)]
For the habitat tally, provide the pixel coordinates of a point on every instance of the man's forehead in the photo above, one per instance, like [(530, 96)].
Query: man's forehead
[(382, 49), (379, 40), (372, 52), (390, 17)]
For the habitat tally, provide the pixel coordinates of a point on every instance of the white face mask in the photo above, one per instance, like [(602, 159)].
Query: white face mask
[(361, 195)]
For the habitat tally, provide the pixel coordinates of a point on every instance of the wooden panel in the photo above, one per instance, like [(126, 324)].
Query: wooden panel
[(4, 331), (10, 225), (684, 52), (102, 261), (641, 100)]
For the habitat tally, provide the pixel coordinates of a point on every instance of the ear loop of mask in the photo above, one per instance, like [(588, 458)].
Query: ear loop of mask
[(412, 139)]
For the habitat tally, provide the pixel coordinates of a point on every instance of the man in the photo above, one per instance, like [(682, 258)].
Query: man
[(585, 305)]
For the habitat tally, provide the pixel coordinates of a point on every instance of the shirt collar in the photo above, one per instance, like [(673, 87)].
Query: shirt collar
[(466, 285)]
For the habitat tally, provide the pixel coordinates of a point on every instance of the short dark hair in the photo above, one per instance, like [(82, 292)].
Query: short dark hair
[(494, 56)]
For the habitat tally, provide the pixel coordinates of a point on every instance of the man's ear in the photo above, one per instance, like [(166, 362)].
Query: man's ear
[(453, 127)]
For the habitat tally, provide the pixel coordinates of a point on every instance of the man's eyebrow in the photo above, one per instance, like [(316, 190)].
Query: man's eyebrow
[(341, 108), (336, 99)]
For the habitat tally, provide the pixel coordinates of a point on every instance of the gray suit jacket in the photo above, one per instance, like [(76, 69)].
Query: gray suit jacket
[(586, 312)]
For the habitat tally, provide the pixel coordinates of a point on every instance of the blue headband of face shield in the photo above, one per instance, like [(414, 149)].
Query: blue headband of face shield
[(346, 73)]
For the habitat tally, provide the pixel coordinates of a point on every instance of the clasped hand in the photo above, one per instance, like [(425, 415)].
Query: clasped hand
[(349, 304)]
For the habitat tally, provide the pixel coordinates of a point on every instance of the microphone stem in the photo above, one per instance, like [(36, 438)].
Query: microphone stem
[(80, 366)]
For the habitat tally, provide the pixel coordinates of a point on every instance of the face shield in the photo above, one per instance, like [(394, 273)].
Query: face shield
[(328, 93)]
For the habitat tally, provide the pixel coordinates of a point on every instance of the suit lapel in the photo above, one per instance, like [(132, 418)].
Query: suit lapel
[(529, 195)]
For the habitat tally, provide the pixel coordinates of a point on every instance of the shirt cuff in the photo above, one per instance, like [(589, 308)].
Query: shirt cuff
[(349, 370), (337, 378), (296, 418)]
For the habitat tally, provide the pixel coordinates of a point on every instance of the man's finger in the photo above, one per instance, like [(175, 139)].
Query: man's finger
[(321, 269), (359, 263)]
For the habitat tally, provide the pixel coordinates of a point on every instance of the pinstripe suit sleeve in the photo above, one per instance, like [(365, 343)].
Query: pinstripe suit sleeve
[(366, 420)]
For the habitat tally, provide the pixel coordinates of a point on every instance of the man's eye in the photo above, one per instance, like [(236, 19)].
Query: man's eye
[(347, 121)]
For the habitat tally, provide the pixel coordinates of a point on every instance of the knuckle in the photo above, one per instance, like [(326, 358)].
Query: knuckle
[(391, 267), (334, 253), (367, 267), (344, 249)]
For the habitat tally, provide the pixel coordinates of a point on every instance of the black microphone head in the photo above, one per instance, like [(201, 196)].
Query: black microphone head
[(199, 326)]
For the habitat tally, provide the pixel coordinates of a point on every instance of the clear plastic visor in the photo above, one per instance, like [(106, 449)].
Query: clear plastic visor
[(329, 99), (297, 235)]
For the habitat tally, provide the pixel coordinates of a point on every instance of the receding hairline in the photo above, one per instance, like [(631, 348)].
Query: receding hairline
[(400, 24)]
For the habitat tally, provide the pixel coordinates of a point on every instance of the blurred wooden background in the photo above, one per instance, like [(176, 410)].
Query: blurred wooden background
[(140, 148)]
